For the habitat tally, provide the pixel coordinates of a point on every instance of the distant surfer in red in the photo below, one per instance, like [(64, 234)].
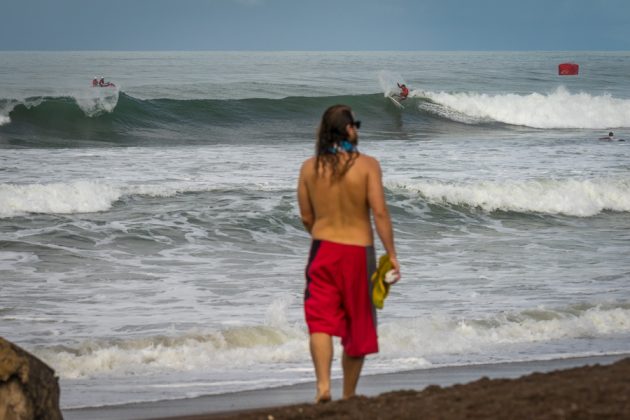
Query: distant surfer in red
[(404, 91), (103, 83)]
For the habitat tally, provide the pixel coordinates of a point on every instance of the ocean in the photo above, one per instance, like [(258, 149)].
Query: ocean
[(150, 241)]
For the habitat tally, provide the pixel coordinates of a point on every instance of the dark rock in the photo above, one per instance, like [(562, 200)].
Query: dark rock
[(29, 388)]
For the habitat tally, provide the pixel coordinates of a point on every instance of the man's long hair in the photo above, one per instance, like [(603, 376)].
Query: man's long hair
[(332, 131)]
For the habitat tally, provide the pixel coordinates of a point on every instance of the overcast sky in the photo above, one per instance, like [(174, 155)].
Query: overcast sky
[(315, 25)]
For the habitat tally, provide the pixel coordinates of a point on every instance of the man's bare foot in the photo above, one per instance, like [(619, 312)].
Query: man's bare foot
[(322, 397)]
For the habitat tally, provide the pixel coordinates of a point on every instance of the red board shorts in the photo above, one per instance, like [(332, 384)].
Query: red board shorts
[(337, 299)]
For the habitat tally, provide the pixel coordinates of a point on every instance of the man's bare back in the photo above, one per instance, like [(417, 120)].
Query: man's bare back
[(339, 210), (337, 196)]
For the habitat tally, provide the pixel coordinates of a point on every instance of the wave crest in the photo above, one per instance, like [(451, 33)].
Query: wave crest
[(558, 109), (410, 342), (190, 351), (74, 114), (570, 197), (438, 336), (97, 101), (92, 102), (75, 197), (93, 196)]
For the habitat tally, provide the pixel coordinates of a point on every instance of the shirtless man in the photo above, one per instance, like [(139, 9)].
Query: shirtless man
[(337, 190)]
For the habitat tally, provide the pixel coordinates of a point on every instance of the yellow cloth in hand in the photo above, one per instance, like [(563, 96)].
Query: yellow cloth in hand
[(380, 288)]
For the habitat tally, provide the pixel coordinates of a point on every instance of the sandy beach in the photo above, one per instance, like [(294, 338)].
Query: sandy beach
[(590, 387)]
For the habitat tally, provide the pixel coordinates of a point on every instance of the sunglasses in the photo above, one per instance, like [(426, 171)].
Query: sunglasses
[(357, 124)]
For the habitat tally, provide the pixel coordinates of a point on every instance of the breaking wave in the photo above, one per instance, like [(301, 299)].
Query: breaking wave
[(555, 110), (412, 342), (88, 196), (91, 103), (115, 116), (570, 197)]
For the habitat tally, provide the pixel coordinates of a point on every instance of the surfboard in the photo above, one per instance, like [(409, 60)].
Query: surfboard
[(395, 102)]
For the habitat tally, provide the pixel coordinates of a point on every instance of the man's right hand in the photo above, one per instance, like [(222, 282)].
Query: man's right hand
[(396, 266)]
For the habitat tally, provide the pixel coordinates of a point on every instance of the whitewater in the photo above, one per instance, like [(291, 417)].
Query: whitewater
[(557, 109), (150, 242)]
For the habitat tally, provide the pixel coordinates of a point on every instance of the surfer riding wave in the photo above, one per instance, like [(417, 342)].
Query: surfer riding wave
[(96, 82), (404, 91)]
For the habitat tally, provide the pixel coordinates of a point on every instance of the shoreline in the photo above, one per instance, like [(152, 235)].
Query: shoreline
[(303, 393)]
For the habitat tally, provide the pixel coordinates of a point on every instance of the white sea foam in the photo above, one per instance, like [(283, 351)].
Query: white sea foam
[(570, 197), (10, 105), (558, 109), (97, 101), (17, 257), (388, 81), (442, 335), (75, 197), (411, 343), (18, 261), (89, 196), (236, 347), (5, 109)]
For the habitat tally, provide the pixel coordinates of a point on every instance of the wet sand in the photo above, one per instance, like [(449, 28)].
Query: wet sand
[(591, 387)]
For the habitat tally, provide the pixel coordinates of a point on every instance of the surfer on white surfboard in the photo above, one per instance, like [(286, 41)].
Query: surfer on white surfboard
[(101, 83), (397, 98), (404, 91)]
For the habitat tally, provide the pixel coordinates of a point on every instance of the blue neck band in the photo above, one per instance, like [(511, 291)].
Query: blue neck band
[(343, 146)]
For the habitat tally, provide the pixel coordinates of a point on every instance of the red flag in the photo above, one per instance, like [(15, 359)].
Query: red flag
[(568, 69)]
